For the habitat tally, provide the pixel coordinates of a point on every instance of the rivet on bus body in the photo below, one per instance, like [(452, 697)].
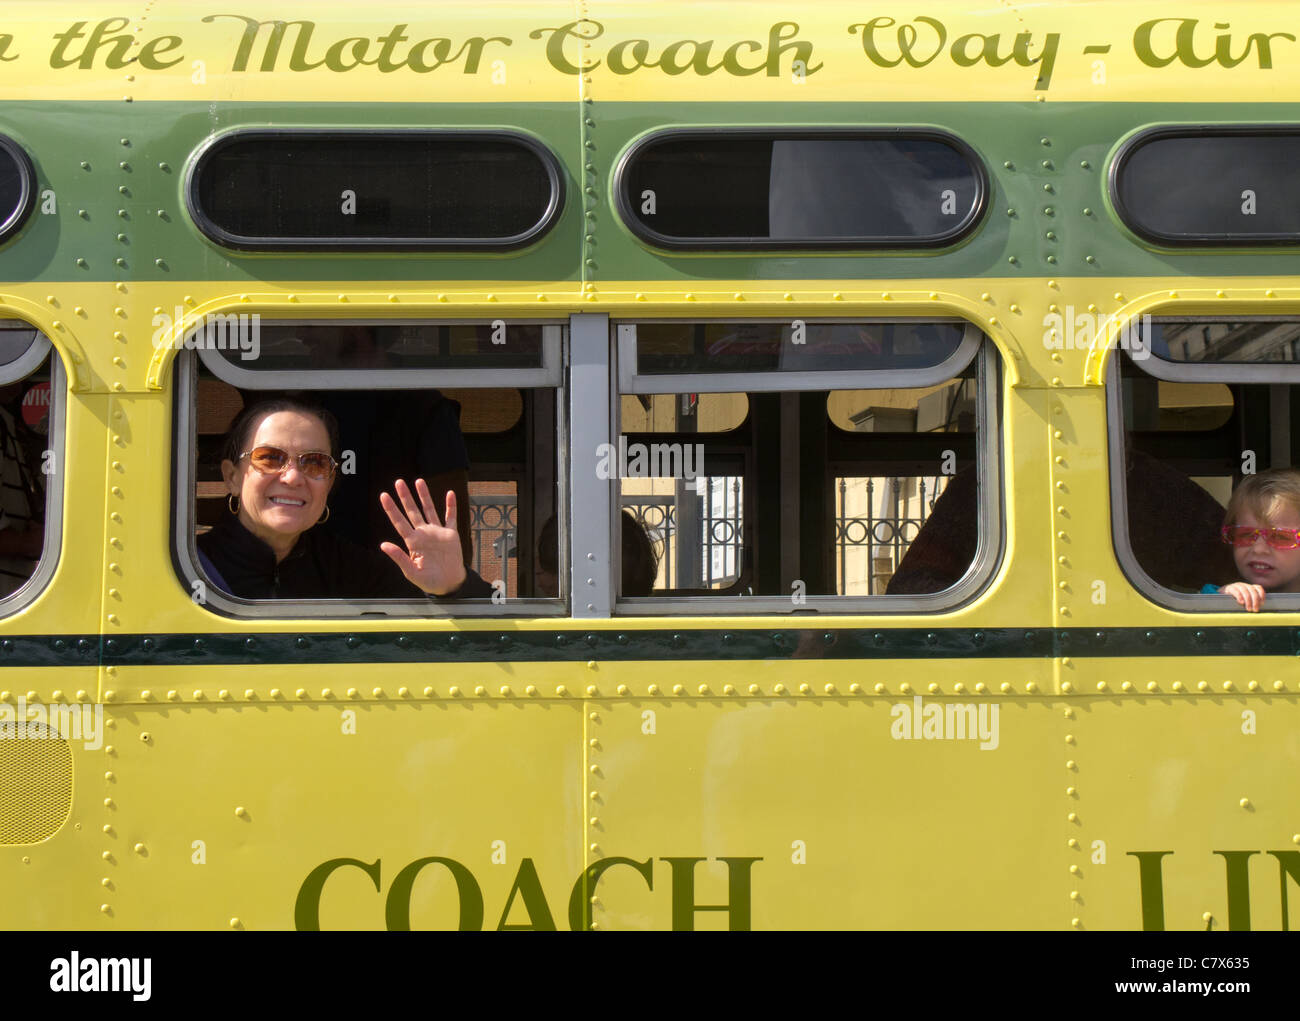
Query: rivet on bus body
[(480, 691), (880, 688), (1015, 309), (1049, 189), (738, 297), (561, 690), (1030, 686), (934, 687), (428, 691), (1011, 211), (1220, 294), (754, 689), (993, 320), (986, 296), (1202, 685), (1244, 802), (690, 296), (1012, 259), (352, 692), (454, 691), (679, 689), (1178, 686), (837, 296), (1227, 685), (1049, 211), (1089, 259), (1253, 685), (854, 689), (905, 688), (779, 689), (805, 688), (1052, 259), (1005, 687), (1270, 294), (1279, 685)]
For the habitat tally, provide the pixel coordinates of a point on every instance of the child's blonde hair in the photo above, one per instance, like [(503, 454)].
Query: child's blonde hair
[(1260, 495)]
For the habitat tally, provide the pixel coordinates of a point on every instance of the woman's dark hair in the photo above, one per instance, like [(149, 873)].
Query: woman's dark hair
[(246, 422), (640, 565)]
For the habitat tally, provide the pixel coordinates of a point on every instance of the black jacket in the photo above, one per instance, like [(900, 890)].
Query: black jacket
[(320, 566)]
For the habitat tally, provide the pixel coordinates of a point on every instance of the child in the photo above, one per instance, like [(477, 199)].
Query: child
[(1262, 524)]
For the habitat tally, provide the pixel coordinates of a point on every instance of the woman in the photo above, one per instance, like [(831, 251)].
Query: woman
[(279, 464)]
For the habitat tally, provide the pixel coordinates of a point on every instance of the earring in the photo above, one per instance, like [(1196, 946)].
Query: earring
[(232, 501), (326, 517)]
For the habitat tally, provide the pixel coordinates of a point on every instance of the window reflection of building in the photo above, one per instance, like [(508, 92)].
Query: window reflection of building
[(1248, 341)]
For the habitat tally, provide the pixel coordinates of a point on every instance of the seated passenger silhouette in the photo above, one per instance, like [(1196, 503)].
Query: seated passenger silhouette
[(1173, 531)]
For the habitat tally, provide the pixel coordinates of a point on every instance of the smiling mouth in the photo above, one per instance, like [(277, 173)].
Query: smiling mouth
[(1259, 566), (285, 501)]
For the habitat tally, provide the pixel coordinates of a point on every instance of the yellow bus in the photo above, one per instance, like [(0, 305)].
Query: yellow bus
[(841, 408)]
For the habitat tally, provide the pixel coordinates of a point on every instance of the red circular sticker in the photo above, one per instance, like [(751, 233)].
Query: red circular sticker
[(36, 405)]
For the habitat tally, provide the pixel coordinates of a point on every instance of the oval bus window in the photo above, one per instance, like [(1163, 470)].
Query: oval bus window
[(460, 190), (1210, 186), (751, 189), (17, 187)]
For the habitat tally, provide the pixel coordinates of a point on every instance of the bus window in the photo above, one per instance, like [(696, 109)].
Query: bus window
[(297, 189), (1195, 407), (490, 443), (755, 188), (31, 442), (1200, 186), (783, 490)]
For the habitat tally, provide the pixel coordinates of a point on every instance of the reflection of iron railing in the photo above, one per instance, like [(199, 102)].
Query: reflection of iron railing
[(494, 520), (895, 532), (723, 531)]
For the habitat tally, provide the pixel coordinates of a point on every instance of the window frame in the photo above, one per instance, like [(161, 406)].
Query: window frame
[(549, 374), (1184, 602), (1220, 372), (30, 590), (26, 203), (937, 243), (228, 240), (1131, 145), (991, 542), (417, 607)]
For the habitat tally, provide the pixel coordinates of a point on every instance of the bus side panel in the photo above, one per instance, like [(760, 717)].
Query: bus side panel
[(215, 816), (1212, 781), (859, 818)]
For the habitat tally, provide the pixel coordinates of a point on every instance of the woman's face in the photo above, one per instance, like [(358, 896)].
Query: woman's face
[(280, 507)]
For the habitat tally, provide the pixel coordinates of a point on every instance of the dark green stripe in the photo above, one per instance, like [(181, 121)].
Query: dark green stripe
[(61, 136), (576, 645)]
